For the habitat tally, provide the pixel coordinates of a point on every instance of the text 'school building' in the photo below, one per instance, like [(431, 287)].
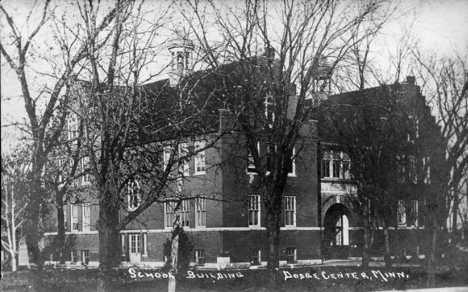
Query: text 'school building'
[(226, 223)]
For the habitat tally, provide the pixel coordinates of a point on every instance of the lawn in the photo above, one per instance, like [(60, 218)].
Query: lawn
[(291, 280)]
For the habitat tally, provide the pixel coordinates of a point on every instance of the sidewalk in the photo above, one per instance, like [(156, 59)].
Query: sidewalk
[(446, 289)]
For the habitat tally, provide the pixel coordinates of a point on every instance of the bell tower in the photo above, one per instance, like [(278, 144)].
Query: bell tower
[(321, 79), (181, 59)]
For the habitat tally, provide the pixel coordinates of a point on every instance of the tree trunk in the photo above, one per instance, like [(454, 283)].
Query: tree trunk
[(174, 255), (13, 262), (365, 247), (431, 259), (387, 257), (454, 235), (60, 240), (109, 243), (273, 239)]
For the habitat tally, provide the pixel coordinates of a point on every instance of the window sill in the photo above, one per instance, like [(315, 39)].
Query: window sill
[(200, 173)]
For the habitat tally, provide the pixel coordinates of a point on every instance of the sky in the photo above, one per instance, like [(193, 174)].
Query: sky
[(440, 26)]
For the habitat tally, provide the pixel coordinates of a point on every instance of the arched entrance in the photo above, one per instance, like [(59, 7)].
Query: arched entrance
[(336, 232)]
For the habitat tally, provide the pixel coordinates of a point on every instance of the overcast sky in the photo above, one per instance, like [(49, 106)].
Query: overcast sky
[(441, 26)]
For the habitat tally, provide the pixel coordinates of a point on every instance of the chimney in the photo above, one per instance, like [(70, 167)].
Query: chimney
[(411, 80), (269, 52)]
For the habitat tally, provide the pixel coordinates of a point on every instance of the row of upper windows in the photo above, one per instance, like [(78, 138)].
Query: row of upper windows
[(266, 152), (335, 164), (79, 216)]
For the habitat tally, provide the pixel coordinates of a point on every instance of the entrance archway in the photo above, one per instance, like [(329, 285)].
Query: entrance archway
[(336, 231)]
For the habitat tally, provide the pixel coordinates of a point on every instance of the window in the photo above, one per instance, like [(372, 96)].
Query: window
[(254, 211), (291, 254), (74, 256), (427, 170), (135, 243), (184, 165), (290, 164), (269, 109), (60, 164), (74, 218), (251, 164), (72, 126), (407, 215), (185, 213), (200, 158), (85, 169), (85, 257), (336, 168), (169, 208), (167, 151), (200, 214), (335, 164), (290, 211), (134, 197), (401, 214), (412, 216), (200, 257), (255, 256), (86, 216), (66, 213), (325, 169)]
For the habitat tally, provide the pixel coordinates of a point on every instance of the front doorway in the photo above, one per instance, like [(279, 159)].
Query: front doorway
[(134, 242), (336, 232)]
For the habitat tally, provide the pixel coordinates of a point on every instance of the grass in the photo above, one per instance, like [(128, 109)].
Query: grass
[(251, 280)]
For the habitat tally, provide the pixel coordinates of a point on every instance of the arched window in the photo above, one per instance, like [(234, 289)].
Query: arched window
[(134, 195)]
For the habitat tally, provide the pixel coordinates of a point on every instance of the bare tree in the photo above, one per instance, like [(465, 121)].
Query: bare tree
[(18, 48), (445, 81), (278, 46), (15, 201)]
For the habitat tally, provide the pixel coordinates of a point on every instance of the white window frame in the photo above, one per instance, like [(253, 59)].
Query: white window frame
[(169, 208), (200, 158), (86, 220), (401, 214), (332, 159), (84, 165), (200, 212), (134, 243), (269, 107), (184, 217), (291, 253), (255, 253), (133, 195), (251, 169), (73, 256), (167, 152), (293, 163), (414, 209), (72, 126), (184, 165), (290, 209), (254, 211), (85, 256), (200, 257), (74, 216), (60, 165)]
